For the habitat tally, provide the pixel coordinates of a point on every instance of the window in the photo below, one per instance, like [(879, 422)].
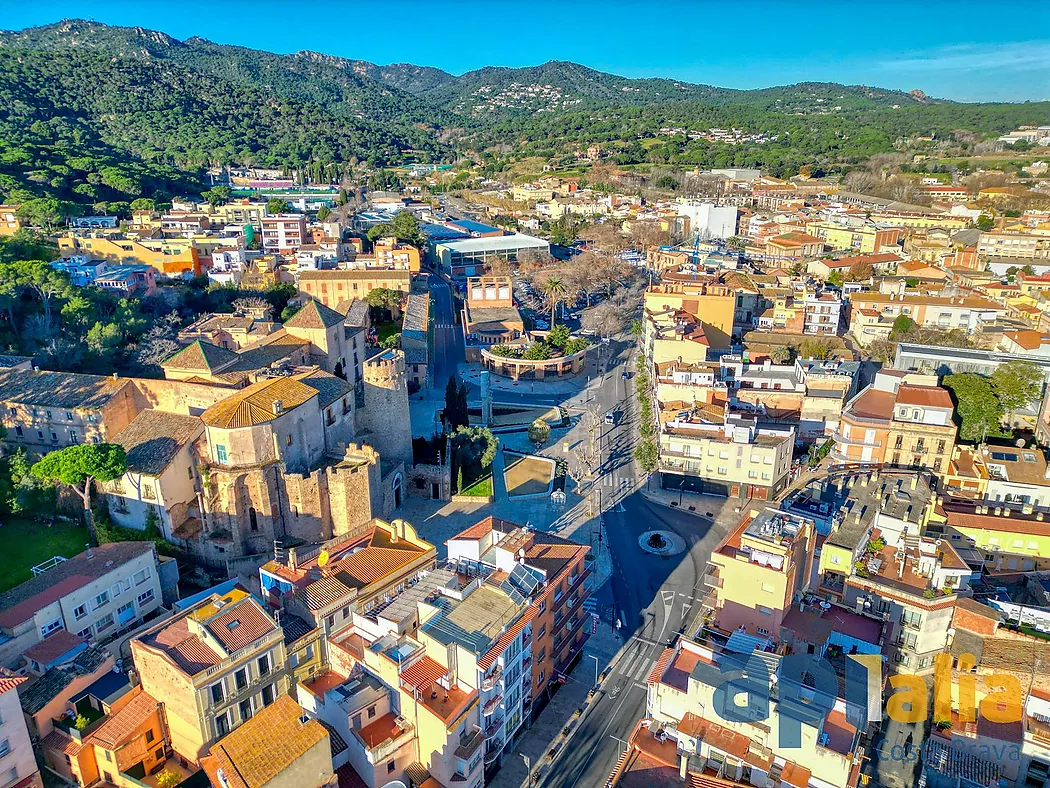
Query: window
[(120, 587), (263, 664), (51, 626), (240, 678), (150, 736), (390, 767), (761, 631), (539, 678), (73, 437), (220, 454), (54, 437), (104, 623), (309, 652), (911, 618), (246, 710), (267, 695), (765, 611), (294, 660), (222, 724), (101, 599), (127, 606), (218, 693), (146, 597), (84, 633), (371, 712), (253, 518), (141, 576), (148, 493), (5, 748)]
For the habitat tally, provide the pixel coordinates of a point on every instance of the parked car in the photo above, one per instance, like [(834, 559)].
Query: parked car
[(610, 417)]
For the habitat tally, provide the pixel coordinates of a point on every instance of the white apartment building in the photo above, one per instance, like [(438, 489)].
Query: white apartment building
[(93, 595), (17, 764)]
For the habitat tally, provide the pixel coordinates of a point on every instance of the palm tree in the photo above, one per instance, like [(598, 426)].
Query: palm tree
[(554, 288)]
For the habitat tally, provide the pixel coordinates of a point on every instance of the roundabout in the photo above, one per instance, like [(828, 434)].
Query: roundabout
[(661, 543)]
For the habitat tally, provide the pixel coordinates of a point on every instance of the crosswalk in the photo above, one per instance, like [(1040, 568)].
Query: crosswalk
[(635, 663)]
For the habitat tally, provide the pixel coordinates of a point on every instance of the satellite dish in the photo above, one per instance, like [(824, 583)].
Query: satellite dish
[(322, 559)]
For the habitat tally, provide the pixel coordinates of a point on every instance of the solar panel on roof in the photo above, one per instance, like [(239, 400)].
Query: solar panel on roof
[(1004, 456)]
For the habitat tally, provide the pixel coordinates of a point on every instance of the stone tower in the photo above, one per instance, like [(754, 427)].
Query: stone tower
[(385, 421)]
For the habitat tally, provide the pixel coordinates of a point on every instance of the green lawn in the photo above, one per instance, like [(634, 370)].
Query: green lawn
[(387, 329), (25, 543), (482, 488)]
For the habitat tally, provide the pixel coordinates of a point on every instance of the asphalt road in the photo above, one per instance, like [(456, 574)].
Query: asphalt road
[(652, 596), (448, 338)]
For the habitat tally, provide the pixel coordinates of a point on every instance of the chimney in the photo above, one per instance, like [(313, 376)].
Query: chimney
[(683, 767), (278, 407), (292, 559), (914, 482), (116, 376)]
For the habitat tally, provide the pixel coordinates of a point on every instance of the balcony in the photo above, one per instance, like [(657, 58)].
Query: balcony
[(838, 437), (492, 704), (712, 581), (469, 743), (493, 679), (494, 727)]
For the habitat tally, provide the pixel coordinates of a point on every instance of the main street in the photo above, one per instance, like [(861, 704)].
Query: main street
[(653, 597)]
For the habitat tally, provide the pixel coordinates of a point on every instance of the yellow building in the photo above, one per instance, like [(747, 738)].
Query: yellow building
[(215, 665), (170, 256), (674, 335), (757, 570), (1010, 538), (9, 221)]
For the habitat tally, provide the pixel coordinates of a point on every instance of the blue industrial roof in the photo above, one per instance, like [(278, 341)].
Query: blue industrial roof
[(105, 688), (474, 227)]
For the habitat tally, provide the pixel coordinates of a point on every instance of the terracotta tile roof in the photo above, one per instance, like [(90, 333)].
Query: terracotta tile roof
[(314, 314), (112, 733), (267, 744), (57, 741), (240, 624), (53, 647), (661, 663), (59, 389), (328, 386), (24, 600), (154, 438), (422, 673), (254, 405), (973, 606), (325, 591), (201, 356), (872, 403), (928, 396), (512, 632), (482, 527)]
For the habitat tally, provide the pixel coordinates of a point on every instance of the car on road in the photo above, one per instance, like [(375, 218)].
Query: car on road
[(626, 375), (610, 417), (542, 325)]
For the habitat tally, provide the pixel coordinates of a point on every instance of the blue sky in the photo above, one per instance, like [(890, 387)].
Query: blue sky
[(961, 50)]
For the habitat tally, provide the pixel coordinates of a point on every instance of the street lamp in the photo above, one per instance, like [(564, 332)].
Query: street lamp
[(528, 765)]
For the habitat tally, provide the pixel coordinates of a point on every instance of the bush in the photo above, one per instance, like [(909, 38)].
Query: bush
[(538, 351), (539, 432), (574, 346), (168, 779)]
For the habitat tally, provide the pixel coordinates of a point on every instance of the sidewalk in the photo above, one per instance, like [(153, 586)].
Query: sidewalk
[(547, 730)]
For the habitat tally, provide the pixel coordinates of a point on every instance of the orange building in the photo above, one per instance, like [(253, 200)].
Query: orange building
[(900, 419), (125, 741)]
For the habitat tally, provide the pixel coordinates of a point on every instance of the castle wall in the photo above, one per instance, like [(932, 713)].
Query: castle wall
[(386, 413), (176, 396)]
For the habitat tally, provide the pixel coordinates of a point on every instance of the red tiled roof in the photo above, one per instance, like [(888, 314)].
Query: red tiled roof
[(23, 611), (661, 663), (928, 396), (57, 741), (512, 632), (117, 727), (53, 647), (241, 624), (423, 673)]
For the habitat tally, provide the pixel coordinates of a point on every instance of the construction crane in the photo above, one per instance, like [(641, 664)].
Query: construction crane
[(696, 250)]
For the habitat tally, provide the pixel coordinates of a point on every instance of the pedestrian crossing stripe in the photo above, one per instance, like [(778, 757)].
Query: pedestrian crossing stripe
[(590, 604)]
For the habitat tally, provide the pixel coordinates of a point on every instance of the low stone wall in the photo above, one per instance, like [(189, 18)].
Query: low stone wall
[(518, 368)]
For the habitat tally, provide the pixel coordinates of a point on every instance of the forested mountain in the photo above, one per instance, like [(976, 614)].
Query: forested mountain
[(125, 112)]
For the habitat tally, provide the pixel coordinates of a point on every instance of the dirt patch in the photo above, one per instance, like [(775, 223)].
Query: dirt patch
[(527, 475)]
